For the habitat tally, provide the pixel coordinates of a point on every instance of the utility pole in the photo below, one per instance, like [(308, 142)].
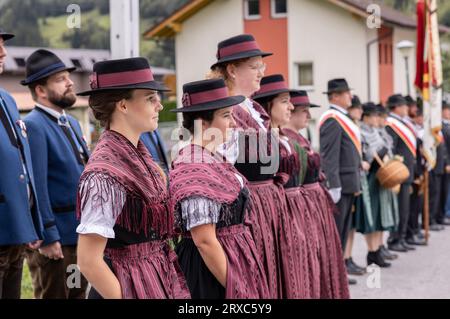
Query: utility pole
[(124, 15)]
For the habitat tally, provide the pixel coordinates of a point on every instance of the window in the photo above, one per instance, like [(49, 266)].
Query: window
[(252, 10), (278, 8), (76, 63), (20, 62), (305, 76)]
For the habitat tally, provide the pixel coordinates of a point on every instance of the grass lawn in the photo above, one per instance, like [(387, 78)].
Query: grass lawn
[(27, 286)]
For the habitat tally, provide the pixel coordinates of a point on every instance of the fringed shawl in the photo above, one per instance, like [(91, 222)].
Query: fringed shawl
[(198, 172), (387, 138), (372, 142), (116, 161)]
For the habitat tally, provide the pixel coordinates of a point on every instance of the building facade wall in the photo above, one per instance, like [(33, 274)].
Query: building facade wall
[(196, 44), (271, 34)]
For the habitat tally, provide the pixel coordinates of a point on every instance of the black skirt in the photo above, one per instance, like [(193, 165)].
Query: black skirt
[(201, 282)]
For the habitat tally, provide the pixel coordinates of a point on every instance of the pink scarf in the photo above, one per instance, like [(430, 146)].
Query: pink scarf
[(116, 161), (198, 172)]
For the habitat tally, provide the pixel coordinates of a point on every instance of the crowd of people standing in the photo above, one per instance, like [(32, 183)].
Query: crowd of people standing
[(247, 209)]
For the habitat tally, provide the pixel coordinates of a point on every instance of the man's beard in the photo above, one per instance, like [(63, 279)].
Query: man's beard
[(63, 101)]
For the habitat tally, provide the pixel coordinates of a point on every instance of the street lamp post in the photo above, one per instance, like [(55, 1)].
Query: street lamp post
[(405, 47)]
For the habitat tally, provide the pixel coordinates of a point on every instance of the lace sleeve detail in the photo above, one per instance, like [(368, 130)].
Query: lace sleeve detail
[(198, 210), (100, 208)]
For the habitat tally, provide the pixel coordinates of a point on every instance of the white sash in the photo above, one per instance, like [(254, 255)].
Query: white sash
[(347, 125), (406, 133)]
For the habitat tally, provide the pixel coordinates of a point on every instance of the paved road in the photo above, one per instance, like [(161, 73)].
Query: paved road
[(423, 273)]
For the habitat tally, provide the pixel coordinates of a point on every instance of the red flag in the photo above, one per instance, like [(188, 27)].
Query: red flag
[(429, 75), (420, 49)]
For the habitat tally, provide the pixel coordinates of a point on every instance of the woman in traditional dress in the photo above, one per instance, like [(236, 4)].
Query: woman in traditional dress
[(370, 221), (388, 197), (320, 224), (123, 198), (298, 245), (362, 200), (217, 253), (240, 65)]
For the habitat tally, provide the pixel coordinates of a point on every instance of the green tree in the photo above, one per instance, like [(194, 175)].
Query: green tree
[(20, 18), (91, 36), (103, 6), (163, 52)]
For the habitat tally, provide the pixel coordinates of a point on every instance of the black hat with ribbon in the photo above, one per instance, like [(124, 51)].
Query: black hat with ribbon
[(300, 98), (207, 95), (123, 74), (5, 35), (271, 86), (410, 101), (370, 108), (356, 102), (337, 86), (42, 64), (238, 47), (396, 100), (381, 109)]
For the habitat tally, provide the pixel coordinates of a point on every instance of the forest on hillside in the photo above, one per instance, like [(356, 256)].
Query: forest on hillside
[(42, 23)]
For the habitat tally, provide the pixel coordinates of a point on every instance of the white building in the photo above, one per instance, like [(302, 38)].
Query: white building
[(312, 41)]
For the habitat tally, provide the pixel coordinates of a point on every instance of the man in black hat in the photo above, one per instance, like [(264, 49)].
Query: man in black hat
[(405, 145), (59, 154), (20, 221), (413, 109), (355, 111), (413, 234), (340, 149), (391, 205)]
